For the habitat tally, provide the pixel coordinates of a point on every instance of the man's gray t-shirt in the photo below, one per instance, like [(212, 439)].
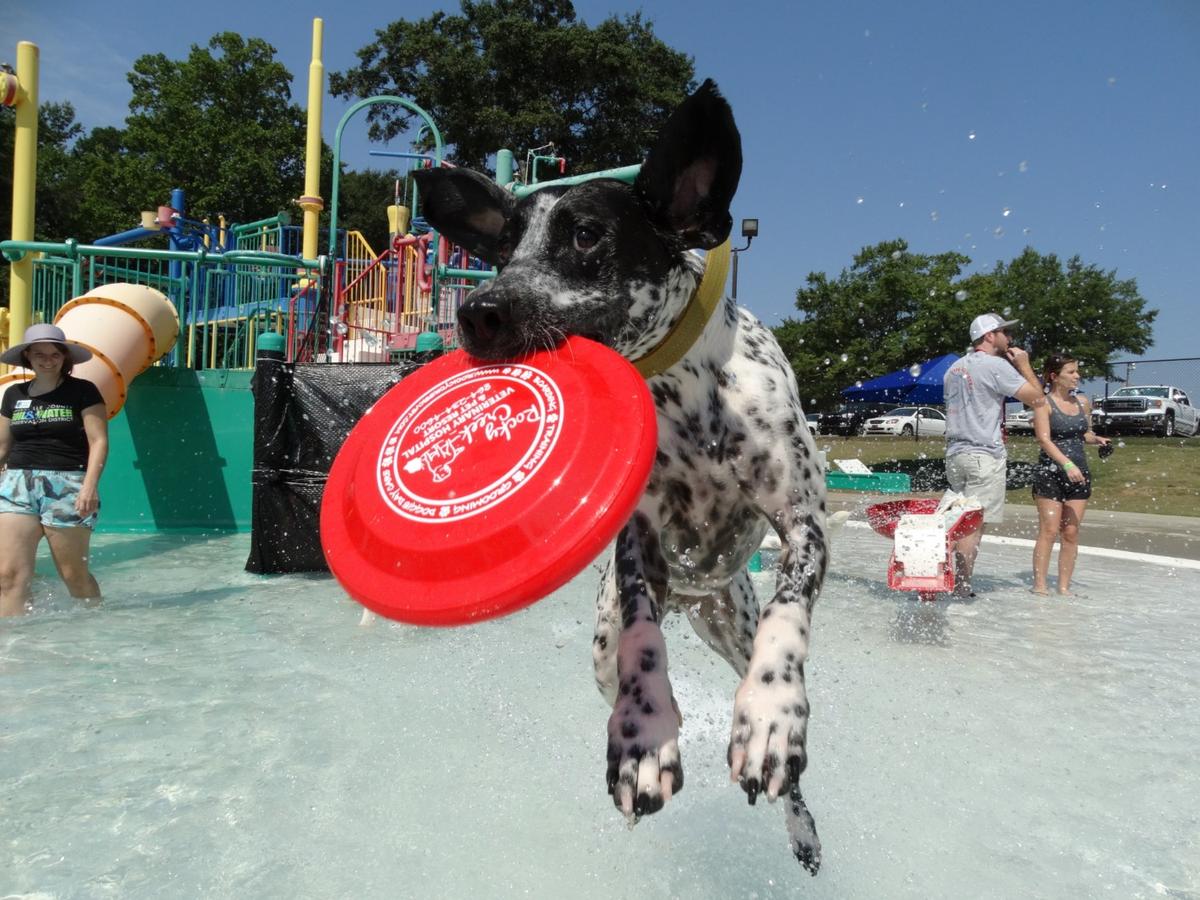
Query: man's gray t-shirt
[(976, 387)]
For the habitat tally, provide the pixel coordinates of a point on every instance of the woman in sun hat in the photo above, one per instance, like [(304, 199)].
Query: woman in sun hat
[(53, 445)]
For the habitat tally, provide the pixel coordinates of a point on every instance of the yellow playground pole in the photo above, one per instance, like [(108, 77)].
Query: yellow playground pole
[(24, 184), (311, 202)]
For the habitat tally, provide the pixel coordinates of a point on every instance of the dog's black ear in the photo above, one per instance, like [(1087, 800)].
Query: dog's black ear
[(468, 208), (688, 181)]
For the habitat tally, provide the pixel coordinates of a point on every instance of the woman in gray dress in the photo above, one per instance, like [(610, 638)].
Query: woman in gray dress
[(1062, 482)]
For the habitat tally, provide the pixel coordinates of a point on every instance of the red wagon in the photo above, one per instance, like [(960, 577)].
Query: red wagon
[(934, 579)]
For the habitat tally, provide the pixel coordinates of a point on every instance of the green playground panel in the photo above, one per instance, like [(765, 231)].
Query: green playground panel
[(881, 482), (181, 453)]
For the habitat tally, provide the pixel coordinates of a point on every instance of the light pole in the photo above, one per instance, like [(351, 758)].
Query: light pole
[(749, 232)]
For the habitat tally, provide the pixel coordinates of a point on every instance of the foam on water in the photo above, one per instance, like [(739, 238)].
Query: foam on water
[(212, 733)]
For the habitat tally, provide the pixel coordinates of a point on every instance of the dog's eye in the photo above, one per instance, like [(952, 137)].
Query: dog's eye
[(585, 238)]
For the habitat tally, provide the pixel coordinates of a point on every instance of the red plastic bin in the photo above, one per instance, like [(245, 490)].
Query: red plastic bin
[(883, 517)]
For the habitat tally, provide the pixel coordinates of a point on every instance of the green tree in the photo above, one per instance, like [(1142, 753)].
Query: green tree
[(1072, 307), (55, 192), (894, 308), (521, 74), (363, 199), (113, 183), (219, 124)]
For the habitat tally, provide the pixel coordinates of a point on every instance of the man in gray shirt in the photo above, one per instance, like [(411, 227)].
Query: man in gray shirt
[(976, 387)]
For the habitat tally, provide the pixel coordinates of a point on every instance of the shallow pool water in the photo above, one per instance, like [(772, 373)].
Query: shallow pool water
[(209, 733)]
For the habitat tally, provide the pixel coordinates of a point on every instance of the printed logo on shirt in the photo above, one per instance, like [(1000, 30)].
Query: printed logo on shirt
[(38, 415)]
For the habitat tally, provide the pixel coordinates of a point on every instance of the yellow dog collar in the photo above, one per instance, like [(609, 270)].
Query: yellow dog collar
[(704, 301)]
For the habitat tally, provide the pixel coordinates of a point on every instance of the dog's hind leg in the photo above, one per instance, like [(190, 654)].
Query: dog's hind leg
[(644, 770), (726, 620)]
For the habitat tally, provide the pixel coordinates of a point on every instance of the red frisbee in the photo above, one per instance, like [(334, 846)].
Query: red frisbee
[(473, 489)]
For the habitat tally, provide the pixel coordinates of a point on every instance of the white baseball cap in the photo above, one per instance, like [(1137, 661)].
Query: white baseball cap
[(989, 322)]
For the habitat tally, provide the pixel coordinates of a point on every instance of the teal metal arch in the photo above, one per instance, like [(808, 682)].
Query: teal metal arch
[(337, 153)]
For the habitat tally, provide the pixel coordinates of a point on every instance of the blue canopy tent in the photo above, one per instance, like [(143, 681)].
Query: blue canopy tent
[(903, 386)]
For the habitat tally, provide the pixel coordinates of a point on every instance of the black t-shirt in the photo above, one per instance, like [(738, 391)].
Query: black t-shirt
[(47, 430)]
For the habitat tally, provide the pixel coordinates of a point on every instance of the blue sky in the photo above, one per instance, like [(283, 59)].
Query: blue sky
[(980, 127)]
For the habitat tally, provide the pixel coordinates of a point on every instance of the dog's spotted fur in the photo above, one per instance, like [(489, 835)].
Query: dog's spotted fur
[(610, 261)]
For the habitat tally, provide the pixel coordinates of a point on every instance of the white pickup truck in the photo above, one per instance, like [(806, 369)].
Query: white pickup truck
[(1158, 408)]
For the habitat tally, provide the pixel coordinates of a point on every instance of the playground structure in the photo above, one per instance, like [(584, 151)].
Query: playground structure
[(232, 282), (238, 291)]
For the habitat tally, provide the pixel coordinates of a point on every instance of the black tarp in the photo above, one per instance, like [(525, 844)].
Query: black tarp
[(302, 414)]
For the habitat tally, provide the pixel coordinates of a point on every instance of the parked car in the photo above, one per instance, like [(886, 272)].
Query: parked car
[(850, 418), (908, 421), (1019, 422), (814, 422), (1158, 408)]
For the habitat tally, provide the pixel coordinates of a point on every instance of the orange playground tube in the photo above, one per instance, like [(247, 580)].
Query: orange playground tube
[(128, 327)]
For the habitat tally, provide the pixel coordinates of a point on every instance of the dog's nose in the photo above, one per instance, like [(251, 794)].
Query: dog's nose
[(482, 318)]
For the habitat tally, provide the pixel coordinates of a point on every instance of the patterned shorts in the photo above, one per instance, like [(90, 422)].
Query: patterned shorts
[(45, 493)]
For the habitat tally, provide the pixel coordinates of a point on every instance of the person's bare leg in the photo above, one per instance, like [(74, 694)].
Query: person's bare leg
[(19, 536), (965, 551), (70, 549), (1050, 517), (1068, 548)]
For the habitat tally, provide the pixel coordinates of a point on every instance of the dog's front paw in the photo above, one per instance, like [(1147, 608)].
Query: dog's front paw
[(644, 770), (770, 721)]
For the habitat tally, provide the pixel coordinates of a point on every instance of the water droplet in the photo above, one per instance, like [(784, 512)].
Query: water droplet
[(915, 370), (933, 215), (970, 136), (845, 356), (895, 254), (960, 295), (1006, 212), (859, 201)]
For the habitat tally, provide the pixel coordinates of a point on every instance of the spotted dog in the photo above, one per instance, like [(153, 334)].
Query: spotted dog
[(611, 261)]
